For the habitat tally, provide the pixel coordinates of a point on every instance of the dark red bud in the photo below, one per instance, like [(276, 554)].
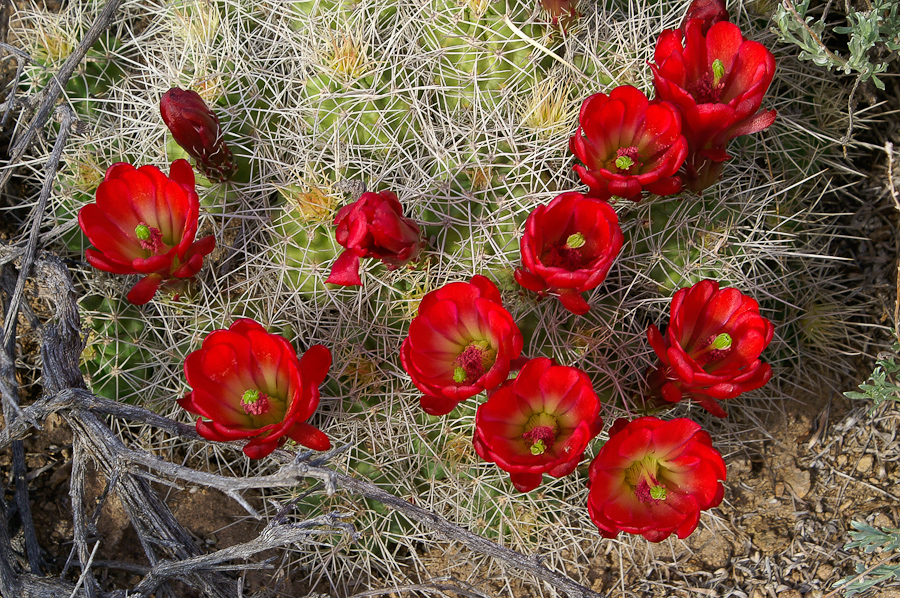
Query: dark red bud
[(197, 130), (708, 11)]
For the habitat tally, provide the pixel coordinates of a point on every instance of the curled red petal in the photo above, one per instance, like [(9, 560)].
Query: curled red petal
[(345, 270)]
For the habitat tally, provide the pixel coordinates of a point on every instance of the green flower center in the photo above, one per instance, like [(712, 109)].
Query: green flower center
[(642, 477), (718, 72), (722, 341), (626, 159), (255, 402), (715, 348), (149, 237), (575, 241), (540, 430), (624, 162)]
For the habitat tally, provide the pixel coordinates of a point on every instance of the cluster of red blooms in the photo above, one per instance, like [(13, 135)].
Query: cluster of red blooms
[(652, 477), (709, 83)]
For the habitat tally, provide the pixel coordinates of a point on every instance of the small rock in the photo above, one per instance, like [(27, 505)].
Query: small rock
[(798, 480), (865, 464), (882, 520), (841, 460), (790, 594), (824, 572)]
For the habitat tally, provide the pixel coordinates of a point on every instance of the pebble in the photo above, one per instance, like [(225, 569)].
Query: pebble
[(865, 464)]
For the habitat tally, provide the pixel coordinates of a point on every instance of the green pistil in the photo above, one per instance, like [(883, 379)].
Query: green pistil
[(142, 231), (542, 428), (459, 375), (255, 402), (658, 493), (624, 162), (576, 240), (718, 70), (721, 342)]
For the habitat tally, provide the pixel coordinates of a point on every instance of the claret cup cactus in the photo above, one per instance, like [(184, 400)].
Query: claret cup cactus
[(463, 110)]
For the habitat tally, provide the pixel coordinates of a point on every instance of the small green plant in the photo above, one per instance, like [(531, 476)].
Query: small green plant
[(882, 384), (880, 24), (870, 539)]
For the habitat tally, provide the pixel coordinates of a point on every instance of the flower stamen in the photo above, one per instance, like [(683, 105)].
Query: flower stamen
[(476, 359)]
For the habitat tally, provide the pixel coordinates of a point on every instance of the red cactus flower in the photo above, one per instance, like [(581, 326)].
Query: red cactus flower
[(717, 81), (538, 423), (373, 226), (568, 247), (628, 145), (709, 12), (144, 223), (461, 343), (653, 477), (249, 384), (711, 349), (197, 130)]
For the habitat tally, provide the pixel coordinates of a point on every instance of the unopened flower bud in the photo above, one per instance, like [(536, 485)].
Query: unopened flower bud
[(709, 12), (196, 129)]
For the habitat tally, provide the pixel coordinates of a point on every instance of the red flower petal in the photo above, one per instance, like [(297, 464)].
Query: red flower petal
[(620, 499), (345, 270), (309, 436), (690, 366), (143, 291)]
